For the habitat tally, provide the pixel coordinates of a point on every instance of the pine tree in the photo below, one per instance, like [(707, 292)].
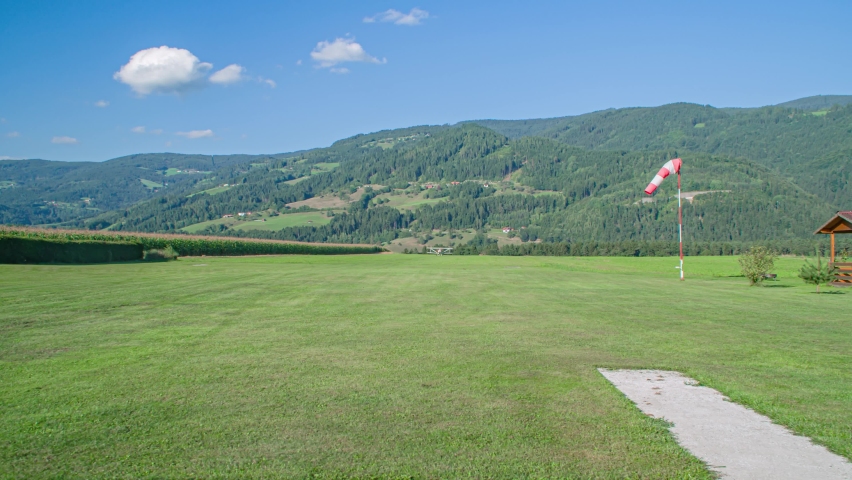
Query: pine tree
[(817, 274)]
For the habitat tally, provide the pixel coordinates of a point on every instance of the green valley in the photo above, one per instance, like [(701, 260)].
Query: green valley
[(571, 179)]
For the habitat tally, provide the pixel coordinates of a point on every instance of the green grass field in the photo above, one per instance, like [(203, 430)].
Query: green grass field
[(213, 191), (397, 365), (150, 184), (403, 202), (271, 223), (325, 166), (297, 180), (177, 171), (288, 220)]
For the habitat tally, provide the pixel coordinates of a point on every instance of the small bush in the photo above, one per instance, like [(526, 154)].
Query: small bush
[(756, 263), (160, 254)]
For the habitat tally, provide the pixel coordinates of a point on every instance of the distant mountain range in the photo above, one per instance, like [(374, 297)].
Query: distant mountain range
[(753, 174)]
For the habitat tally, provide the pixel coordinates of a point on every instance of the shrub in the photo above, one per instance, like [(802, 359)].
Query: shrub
[(160, 254), (817, 274), (186, 245), (59, 250), (756, 263)]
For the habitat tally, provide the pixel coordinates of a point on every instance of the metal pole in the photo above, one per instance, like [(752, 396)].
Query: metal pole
[(680, 225)]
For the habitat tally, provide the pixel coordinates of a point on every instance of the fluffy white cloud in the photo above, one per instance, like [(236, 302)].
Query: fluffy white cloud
[(101, 104), (13, 134), (329, 54), (193, 134), (64, 140), (163, 70), (414, 17), (138, 129), (231, 74)]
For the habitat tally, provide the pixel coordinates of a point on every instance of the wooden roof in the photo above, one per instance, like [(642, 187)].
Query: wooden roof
[(839, 223)]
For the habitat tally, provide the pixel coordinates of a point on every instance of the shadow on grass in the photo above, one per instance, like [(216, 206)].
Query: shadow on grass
[(777, 286)]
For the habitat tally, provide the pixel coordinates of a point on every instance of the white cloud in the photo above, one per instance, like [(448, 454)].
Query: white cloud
[(168, 144), (329, 54), (298, 62), (101, 104), (340, 70), (64, 140), (414, 17), (138, 129), (231, 74), (13, 134), (267, 81), (193, 134), (4, 157), (156, 131), (163, 70)]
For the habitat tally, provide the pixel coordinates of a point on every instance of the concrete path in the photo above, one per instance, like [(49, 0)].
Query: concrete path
[(734, 441)]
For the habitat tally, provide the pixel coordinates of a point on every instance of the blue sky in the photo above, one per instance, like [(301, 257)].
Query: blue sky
[(304, 74)]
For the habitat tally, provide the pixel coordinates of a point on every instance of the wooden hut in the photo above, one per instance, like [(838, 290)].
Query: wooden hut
[(839, 224)]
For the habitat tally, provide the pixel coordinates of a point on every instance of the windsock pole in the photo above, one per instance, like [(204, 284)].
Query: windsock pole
[(671, 167), (680, 225)]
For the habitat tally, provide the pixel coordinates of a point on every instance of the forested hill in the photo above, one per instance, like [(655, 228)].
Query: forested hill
[(774, 136), (750, 175), (415, 184), (34, 192), (810, 147), (548, 127), (817, 102)]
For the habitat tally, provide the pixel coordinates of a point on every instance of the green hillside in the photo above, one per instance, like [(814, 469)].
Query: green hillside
[(818, 102), (49, 192), (750, 175), (591, 194), (811, 148)]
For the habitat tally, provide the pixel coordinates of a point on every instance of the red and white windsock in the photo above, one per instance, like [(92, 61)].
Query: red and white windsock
[(671, 167)]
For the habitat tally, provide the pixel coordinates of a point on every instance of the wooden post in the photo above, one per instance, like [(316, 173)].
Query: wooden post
[(832, 247)]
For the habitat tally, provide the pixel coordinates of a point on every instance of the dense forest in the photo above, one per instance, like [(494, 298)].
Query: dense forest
[(35, 192), (757, 175)]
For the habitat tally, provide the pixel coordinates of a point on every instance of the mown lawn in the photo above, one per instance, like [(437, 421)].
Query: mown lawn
[(397, 365)]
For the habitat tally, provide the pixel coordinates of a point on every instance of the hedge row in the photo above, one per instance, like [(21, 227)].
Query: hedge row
[(47, 250), (187, 245), (197, 247), (642, 249)]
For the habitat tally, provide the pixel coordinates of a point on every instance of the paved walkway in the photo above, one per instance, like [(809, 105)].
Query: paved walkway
[(734, 441)]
